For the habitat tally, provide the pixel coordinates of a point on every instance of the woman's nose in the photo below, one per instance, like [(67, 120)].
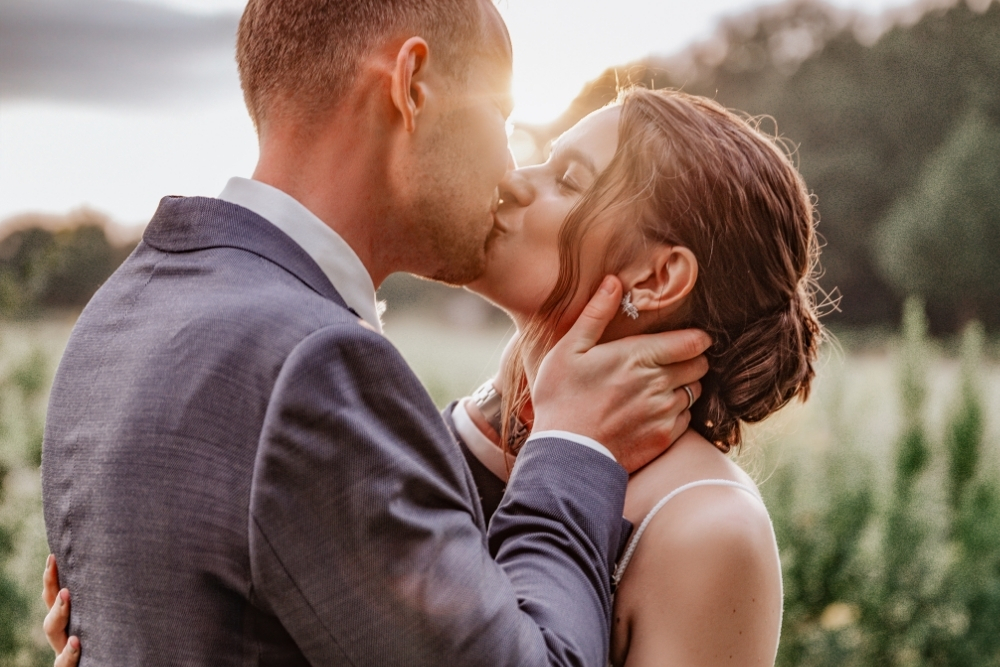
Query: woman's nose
[(516, 189)]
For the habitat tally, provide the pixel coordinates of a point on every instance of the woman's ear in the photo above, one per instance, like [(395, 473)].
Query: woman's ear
[(662, 280)]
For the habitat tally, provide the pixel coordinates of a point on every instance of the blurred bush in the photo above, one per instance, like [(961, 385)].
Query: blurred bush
[(25, 375), (942, 239), (43, 269), (900, 569), (13, 602)]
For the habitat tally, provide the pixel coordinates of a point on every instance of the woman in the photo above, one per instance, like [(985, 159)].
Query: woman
[(708, 225)]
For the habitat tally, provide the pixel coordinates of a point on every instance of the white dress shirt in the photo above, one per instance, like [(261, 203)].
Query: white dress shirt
[(326, 247)]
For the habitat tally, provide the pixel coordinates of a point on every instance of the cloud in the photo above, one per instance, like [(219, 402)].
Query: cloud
[(114, 52)]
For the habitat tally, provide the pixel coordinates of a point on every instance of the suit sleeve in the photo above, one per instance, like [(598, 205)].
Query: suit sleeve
[(364, 538)]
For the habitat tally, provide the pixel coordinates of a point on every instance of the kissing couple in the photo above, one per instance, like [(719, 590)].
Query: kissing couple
[(239, 469)]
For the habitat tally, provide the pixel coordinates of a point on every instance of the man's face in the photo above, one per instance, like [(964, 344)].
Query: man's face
[(461, 158)]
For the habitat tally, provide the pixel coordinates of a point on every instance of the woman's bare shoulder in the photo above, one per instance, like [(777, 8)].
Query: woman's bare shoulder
[(711, 528), (704, 584)]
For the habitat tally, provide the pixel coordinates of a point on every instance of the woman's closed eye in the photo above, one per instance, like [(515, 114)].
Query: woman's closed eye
[(568, 184), (574, 178)]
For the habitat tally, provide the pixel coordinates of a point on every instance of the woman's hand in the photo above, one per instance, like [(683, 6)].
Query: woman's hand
[(56, 624)]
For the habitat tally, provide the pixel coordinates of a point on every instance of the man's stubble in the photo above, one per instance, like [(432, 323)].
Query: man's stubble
[(457, 227)]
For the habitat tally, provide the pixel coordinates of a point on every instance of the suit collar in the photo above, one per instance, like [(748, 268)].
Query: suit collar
[(334, 256), (186, 224)]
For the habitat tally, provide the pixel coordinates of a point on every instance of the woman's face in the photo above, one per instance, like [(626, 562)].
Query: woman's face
[(522, 260)]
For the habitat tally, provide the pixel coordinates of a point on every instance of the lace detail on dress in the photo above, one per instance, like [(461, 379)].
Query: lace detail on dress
[(634, 542)]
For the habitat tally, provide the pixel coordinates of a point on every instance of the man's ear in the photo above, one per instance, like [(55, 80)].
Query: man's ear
[(408, 89), (662, 280)]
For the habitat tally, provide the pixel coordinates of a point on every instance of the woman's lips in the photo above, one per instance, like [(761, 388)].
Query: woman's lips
[(498, 224), (494, 234)]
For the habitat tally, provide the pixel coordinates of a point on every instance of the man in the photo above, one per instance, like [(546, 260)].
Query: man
[(238, 467)]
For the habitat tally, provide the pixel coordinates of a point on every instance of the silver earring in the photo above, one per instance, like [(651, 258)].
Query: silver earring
[(628, 307)]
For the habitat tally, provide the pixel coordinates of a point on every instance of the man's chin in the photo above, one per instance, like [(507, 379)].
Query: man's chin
[(461, 273), (463, 265)]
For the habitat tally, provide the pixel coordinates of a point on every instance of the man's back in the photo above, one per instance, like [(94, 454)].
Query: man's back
[(227, 445), (153, 430)]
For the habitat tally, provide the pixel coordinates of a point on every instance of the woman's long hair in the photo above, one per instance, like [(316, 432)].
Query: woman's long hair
[(688, 172)]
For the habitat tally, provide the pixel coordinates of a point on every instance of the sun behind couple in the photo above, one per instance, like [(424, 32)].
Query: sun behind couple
[(708, 225)]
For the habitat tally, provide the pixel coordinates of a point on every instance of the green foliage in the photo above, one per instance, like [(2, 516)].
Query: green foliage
[(13, 602), (913, 450), (899, 613), (965, 432), (41, 270), (819, 532), (942, 240), (909, 576), (24, 382), (973, 585)]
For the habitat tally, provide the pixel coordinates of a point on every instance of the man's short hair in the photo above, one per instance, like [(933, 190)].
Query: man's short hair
[(308, 52)]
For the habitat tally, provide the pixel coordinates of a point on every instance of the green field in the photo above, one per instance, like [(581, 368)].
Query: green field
[(847, 502)]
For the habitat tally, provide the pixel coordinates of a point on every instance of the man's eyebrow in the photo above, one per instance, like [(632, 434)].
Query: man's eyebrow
[(571, 154)]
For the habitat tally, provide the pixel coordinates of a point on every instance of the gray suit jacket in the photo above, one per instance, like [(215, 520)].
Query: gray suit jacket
[(236, 472)]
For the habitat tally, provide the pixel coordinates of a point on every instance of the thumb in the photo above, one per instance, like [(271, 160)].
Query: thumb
[(589, 327)]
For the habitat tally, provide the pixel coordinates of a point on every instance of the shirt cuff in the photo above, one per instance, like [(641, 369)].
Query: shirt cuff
[(484, 449), (574, 437)]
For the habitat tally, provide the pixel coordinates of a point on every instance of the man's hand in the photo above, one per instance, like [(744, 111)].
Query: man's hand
[(56, 624), (627, 394)]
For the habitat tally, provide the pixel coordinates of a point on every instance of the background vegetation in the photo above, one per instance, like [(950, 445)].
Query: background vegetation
[(890, 538), (885, 488)]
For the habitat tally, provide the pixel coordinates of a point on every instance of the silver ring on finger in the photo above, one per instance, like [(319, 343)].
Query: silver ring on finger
[(690, 394)]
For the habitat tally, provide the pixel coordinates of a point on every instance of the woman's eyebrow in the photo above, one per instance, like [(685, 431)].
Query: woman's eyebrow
[(571, 154)]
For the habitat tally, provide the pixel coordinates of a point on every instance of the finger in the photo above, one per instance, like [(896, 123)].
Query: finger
[(670, 347), (57, 621), (70, 655), (681, 425), (50, 582), (594, 319), (683, 373), (685, 400)]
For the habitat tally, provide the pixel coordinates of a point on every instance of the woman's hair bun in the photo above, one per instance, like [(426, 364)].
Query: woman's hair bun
[(758, 370)]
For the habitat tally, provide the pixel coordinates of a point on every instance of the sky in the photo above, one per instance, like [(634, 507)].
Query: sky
[(112, 104)]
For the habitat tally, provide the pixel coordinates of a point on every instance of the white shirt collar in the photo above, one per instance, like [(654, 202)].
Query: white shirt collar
[(326, 247)]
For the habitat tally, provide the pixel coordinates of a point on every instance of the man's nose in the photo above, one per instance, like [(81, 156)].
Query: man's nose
[(516, 189)]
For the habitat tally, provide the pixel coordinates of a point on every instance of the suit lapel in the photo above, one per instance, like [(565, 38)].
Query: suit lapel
[(186, 224)]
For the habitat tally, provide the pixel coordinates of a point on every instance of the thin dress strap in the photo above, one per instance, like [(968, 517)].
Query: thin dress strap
[(634, 542)]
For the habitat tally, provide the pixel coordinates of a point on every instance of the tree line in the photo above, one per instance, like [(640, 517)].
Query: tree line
[(43, 269)]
